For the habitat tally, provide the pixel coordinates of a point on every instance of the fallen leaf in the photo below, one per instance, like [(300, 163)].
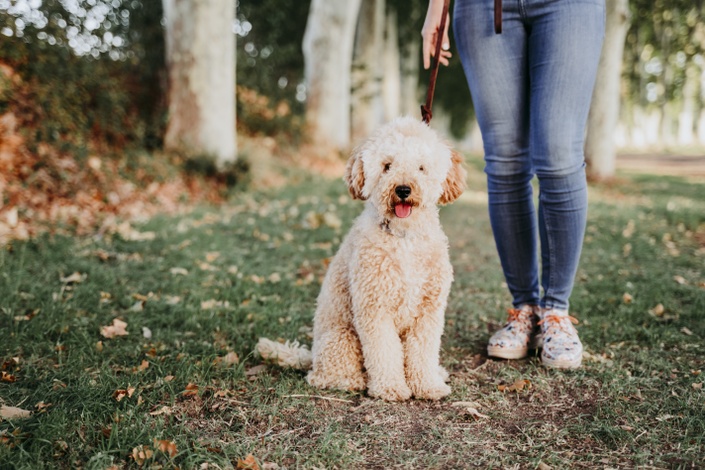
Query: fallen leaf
[(179, 271), (517, 386), (686, 331), (5, 377), (465, 404), (164, 410), (116, 329), (141, 453), (249, 463), (143, 366), (697, 385), (627, 298), (274, 278), (658, 310), (121, 393), (252, 371), (10, 412), (41, 406), (172, 299), (137, 306), (168, 378), (212, 256), (74, 278), (543, 466), (191, 390), (474, 413), (165, 446), (680, 280), (146, 333)]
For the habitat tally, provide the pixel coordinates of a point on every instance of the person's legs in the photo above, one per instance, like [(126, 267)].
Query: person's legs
[(564, 47), (497, 73)]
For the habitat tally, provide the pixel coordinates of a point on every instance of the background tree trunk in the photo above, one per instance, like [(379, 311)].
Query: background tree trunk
[(201, 61), (367, 69), (604, 112), (391, 83), (327, 47)]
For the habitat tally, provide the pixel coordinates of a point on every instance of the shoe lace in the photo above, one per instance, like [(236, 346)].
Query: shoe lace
[(515, 314), (557, 321)]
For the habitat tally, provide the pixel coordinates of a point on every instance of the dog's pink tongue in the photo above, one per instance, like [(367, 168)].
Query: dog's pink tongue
[(402, 210)]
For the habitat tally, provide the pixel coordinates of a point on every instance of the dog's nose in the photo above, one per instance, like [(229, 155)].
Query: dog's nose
[(402, 191)]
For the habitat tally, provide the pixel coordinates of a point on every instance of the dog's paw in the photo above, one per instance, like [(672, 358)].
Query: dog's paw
[(434, 391), (398, 392)]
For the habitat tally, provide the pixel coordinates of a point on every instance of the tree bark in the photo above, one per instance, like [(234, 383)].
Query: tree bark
[(391, 83), (604, 111), (367, 70), (201, 63), (327, 47)]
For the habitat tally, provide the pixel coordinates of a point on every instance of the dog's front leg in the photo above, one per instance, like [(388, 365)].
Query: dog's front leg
[(422, 347), (382, 352)]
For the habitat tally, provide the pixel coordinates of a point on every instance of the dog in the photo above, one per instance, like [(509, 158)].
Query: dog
[(380, 312)]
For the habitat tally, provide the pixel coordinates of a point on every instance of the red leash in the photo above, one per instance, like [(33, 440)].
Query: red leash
[(426, 113)]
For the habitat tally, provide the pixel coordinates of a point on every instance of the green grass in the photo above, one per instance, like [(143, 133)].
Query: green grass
[(253, 268)]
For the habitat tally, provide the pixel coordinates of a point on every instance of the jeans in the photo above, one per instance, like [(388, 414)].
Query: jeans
[(531, 88)]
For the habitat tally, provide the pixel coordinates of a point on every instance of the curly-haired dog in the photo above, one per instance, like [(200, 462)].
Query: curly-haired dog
[(380, 312)]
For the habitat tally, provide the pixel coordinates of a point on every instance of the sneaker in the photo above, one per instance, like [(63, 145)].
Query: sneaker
[(561, 346), (518, 335)]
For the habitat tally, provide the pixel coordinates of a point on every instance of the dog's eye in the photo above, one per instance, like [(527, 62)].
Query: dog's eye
[(387, 166), (421, 168)]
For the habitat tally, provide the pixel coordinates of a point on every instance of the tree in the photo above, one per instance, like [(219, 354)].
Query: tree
[(201, 63), (328, 46), (604, 111)]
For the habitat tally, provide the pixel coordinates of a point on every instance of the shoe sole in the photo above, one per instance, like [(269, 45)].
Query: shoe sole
[(562, 363), (516, 353)]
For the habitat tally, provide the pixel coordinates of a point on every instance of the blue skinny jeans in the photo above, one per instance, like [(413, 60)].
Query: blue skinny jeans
[(531, 88)]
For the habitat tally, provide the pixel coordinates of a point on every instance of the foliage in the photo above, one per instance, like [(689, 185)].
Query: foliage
[(182, 388), (665, 39), (85, 73)]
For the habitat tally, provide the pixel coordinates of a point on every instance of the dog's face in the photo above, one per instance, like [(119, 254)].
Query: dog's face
[(403, 166)]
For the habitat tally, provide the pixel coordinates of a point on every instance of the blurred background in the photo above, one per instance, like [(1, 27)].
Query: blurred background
[(113, 109)]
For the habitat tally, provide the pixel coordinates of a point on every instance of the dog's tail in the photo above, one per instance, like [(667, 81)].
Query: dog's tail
[(289, 354)]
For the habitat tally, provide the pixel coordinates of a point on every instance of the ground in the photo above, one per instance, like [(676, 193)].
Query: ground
[(177, 384)]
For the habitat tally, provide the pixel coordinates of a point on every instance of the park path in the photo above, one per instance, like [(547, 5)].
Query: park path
[(666, 164)]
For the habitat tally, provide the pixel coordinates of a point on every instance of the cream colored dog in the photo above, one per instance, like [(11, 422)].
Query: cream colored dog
[(379, 316)]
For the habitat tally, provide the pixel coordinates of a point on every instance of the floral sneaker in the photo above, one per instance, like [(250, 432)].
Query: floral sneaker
[(561, 346), (518, 335)]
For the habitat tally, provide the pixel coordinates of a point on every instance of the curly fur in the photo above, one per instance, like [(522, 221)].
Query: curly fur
[(380, 312)]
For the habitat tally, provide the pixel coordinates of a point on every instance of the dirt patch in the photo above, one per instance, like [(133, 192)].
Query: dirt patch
[(676, 165)]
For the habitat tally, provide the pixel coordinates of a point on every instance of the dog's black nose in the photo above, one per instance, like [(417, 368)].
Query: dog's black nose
[(402, 191)]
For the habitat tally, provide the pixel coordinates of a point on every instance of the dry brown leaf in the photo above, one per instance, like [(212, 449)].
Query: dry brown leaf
[(5, 377), (143, 366), (680, 280), (697, 385), (212, 256), (252, 371), (248, 463), (118, 328), (168, 378), (191, 390), (517, 386), (168, 447), (686, 331), (475, 414), (658, 310), (121, 393), (627, 298), (11, 412), (140, 454)]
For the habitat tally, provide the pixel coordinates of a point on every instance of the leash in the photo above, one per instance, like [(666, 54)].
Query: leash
[(426, 113)]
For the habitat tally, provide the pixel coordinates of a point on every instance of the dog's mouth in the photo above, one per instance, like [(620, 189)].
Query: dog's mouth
[(402, 209)]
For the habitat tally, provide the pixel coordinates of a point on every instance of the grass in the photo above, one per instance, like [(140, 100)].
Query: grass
[(211, 282)]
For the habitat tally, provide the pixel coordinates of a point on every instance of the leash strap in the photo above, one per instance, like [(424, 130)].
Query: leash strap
[(426, 113), (498, 16)]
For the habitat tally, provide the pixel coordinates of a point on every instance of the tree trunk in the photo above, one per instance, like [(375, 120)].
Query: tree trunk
[(367, 70), (327, 47), (391, 84), (604, 111), (410, 97), (201, 62)]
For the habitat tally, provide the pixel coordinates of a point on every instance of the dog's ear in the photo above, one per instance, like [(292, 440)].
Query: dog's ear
[(454, 184), (355, 175)]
